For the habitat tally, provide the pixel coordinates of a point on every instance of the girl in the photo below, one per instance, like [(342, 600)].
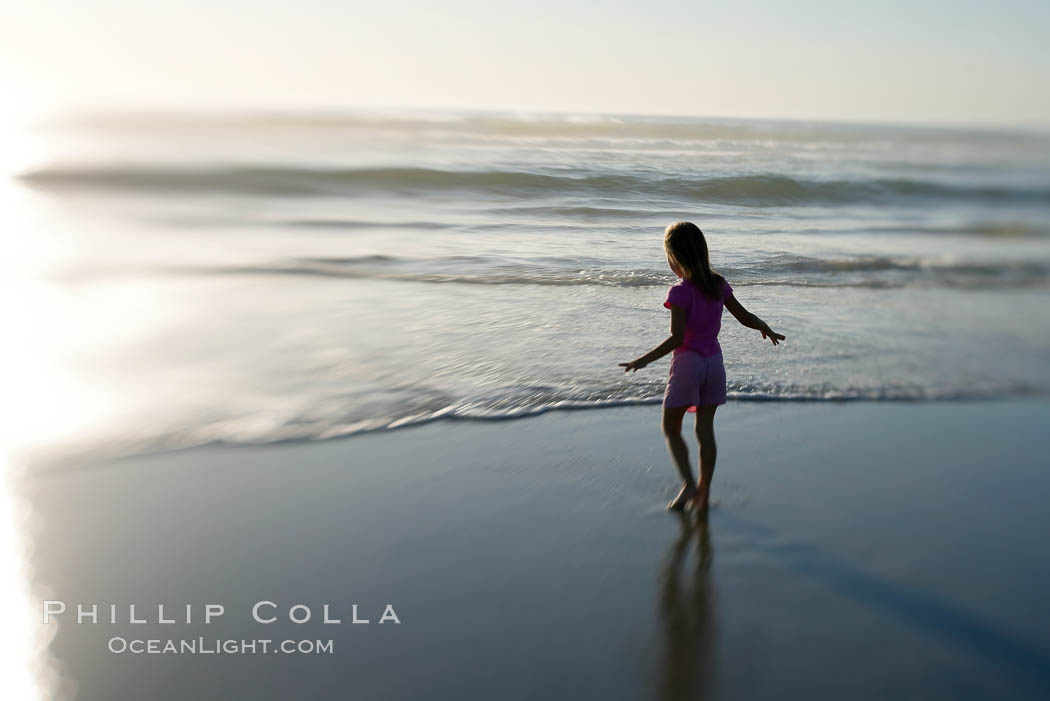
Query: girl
[(697, 381)]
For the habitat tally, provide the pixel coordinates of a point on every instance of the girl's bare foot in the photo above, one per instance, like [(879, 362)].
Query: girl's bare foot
[(701, 500), (682, 500)]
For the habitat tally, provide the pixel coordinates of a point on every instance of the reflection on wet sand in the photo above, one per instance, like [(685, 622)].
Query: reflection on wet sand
[(687, 615)]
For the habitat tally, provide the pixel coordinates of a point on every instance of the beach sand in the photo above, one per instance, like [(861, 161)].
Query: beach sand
[(855, 550)]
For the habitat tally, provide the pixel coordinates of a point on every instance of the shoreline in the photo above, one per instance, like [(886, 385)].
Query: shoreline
[(43, 465)]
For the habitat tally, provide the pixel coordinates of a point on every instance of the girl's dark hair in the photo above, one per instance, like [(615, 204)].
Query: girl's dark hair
[(687, 248)]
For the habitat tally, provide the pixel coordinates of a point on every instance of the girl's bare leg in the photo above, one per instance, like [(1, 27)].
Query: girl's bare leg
[(672, 428), (705, 435)]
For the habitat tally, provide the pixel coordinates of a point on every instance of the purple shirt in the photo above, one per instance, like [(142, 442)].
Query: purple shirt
[(703, 316)]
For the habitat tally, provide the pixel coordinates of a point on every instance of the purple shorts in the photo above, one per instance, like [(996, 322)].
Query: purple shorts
[(695, 380)]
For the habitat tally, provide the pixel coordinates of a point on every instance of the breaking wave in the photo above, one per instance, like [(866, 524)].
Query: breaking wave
[(752, 190), (873, 272)]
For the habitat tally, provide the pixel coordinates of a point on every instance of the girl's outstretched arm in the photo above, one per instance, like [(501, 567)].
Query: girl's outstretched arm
[(669, 344), (751, 321)]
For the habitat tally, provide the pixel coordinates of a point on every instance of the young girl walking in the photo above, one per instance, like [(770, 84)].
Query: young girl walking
[(697, 380)]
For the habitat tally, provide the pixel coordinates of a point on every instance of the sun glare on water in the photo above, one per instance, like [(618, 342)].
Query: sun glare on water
[(23, 641)]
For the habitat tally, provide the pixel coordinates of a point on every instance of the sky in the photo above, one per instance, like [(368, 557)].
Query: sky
[(921, 61)]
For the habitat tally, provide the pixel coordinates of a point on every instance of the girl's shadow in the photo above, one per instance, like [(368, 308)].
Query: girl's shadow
[(687, 614)]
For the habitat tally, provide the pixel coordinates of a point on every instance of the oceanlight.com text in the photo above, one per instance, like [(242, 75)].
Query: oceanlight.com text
[(214, 646)]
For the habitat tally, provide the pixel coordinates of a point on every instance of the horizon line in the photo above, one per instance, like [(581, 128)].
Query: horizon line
[(73, 112)]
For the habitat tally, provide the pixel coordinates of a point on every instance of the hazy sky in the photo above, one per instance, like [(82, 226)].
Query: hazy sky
[(913, 61)]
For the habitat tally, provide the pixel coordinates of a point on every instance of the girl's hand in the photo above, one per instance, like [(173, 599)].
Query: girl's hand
[(633, 365), (772, 335)]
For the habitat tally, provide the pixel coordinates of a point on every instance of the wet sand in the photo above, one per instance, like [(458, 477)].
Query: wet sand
[(857, 550)]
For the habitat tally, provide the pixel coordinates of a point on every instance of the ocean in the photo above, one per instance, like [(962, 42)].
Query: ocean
[(258, 277)]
